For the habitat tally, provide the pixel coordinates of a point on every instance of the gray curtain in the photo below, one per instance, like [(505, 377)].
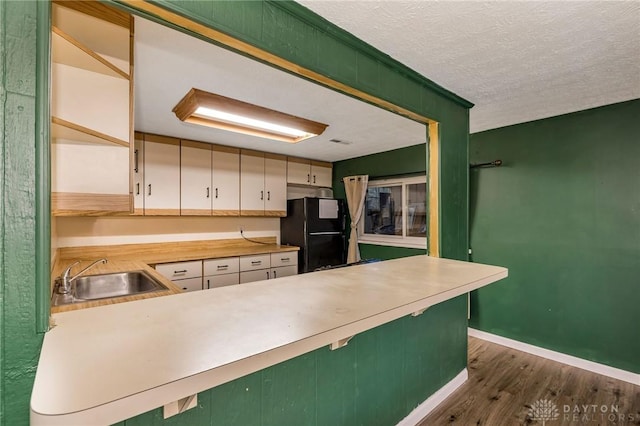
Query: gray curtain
[(356, 190)]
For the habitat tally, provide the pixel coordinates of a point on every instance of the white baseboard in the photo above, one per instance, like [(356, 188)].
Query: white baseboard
[(423, 410), (584, 364)]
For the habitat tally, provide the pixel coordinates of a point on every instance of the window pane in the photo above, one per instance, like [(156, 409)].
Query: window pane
[(383, 210), (417, 210)]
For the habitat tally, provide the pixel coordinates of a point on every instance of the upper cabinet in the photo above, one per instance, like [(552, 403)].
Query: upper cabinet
[(91, 109), (195, 178), (263, 184), (301, 171), (209, 180), (161, 176), (138, 174), (275, 185), (181, 177), (226, 181)]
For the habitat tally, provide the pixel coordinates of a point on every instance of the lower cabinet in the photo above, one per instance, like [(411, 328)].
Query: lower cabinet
[(186, 275), (189, 284), (268, 266), (221, 280), (212, 273), (283, 271), (251, 276), (221, 272)]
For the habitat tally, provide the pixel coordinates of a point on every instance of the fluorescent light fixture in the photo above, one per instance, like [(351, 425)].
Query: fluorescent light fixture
[(208, 109)]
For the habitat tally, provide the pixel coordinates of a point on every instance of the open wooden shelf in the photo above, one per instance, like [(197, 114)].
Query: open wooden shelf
[(62, 129), (69, 51)]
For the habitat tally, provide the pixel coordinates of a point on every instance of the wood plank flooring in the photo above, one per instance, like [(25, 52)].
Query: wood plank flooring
[(505, 383)]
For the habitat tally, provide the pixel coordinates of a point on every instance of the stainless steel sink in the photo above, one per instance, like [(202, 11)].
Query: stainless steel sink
[(92, 287)]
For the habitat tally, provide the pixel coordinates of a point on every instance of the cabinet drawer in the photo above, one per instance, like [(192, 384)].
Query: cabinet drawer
[(227, 265), (180, 270), (252, 263), (190, 284), (251, 276), (221, 280), (284, 259), (284, 271)]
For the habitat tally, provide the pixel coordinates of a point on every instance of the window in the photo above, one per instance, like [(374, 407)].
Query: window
[(395, 213)]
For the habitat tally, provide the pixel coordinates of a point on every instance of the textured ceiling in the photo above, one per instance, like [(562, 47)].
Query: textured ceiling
[(169, 63), (516, 60)]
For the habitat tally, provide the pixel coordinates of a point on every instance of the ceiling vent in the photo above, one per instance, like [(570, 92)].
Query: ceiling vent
[(341, 142)]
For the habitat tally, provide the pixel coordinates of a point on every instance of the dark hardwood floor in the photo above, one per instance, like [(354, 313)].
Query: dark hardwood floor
[(504, 384)]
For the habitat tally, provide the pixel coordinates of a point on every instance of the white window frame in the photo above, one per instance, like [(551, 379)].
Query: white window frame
[(394, 240)]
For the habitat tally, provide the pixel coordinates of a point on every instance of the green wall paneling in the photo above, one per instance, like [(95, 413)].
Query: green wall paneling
[(371, 251), (22, 79), (377, 379), (563, 214)]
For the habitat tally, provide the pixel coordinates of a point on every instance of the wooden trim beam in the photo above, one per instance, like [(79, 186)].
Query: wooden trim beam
[(81, 204), (434, 190)]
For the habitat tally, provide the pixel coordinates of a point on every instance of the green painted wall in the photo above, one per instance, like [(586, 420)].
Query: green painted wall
[(563, 214), (19, 340), (404, 161), (435, 342)]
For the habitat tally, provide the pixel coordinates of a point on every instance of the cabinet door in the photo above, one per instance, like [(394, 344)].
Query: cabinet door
[(195, 178), (221, 280), (190, 284), (321, 174), (283, 271), (161, 175), (275, 185), (252, 183), (226, 181), (138, 175), (251, 276), (298, 171)]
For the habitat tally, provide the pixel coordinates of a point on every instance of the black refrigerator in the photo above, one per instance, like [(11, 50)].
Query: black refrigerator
[(316, 225)]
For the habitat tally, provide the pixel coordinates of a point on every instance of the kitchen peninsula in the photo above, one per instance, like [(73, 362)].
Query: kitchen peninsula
[(107, 364)]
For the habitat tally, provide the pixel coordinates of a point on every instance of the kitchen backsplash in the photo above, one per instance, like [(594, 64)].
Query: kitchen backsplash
[(90, 231)]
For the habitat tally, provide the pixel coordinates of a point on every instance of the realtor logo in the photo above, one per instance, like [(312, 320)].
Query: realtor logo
[(544, 410)]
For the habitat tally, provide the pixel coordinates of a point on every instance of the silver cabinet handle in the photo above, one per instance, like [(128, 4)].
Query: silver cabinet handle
[(267, 274), (268, 195), (207, 192), (308, 178), (262, 195), (216, 192), (149, 189), (184, 271), (223, 266), (284, 259), (208, 284), (256, 262), (135, 160), (314, 178), (138, 188), (274, 274)]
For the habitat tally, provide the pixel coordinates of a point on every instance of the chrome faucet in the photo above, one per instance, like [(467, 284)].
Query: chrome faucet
[(63, 283)]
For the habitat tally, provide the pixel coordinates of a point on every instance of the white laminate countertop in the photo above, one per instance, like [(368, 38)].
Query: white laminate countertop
[(106, 364)]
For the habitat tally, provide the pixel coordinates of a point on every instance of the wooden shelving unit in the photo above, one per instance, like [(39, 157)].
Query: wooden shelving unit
[(92, 109)]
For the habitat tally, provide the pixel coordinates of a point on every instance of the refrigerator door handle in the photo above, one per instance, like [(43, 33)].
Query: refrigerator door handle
[(326, 233)]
